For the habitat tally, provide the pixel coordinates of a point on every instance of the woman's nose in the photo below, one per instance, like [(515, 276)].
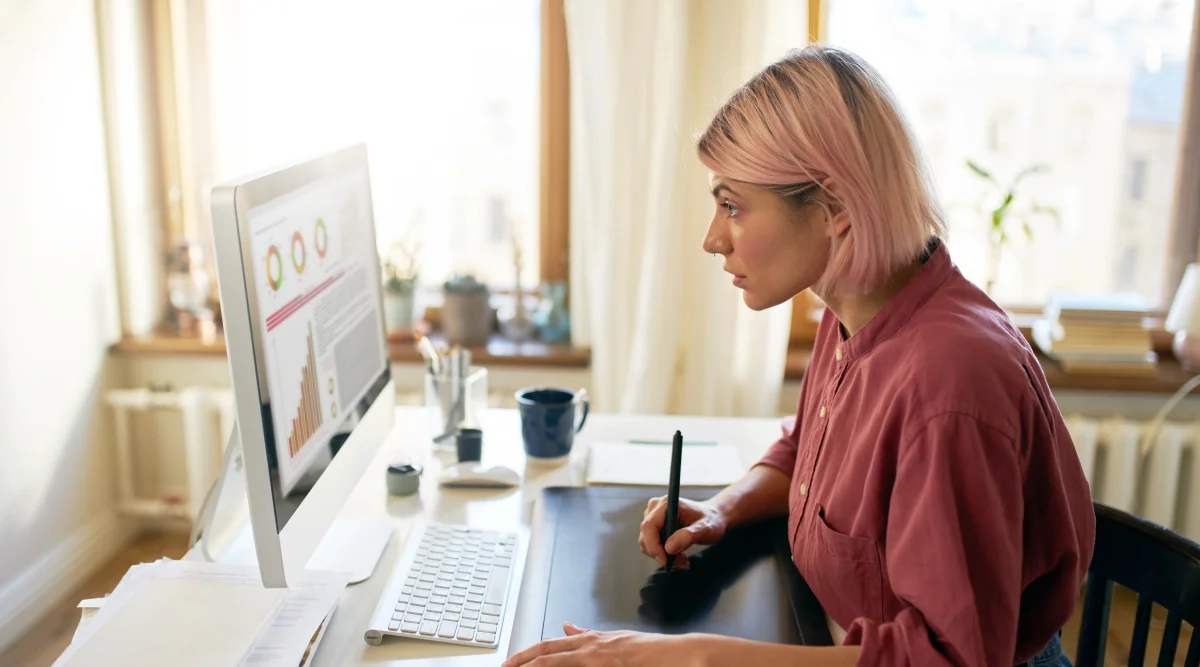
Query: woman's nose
[(715, 242)]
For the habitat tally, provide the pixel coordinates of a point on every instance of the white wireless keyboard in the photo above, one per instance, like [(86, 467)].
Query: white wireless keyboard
[(451, 585)]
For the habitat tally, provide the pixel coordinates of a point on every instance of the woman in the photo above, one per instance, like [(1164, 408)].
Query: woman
[(935, 502)]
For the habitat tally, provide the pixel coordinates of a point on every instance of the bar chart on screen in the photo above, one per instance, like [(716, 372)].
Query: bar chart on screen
[(308, 413)]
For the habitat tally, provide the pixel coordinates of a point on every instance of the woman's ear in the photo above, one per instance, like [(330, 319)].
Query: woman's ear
[(837, 221)]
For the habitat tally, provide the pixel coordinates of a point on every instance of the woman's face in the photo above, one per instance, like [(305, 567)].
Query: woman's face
[(774, 248)]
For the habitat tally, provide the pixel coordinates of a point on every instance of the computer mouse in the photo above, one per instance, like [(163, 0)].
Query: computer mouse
[(474, 474)]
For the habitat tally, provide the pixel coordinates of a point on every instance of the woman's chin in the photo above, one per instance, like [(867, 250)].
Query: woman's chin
[(754, 302)]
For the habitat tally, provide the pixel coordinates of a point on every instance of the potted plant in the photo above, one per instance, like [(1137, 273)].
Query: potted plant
[(1004, 211), (400, 288), (467, 311)]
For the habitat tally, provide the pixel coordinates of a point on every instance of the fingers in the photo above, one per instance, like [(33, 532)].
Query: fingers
[(648, 537), (686, 537), (653, 504), (548, 648), (571, 629)]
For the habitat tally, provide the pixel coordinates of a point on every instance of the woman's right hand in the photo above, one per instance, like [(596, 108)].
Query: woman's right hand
[(700, 523)]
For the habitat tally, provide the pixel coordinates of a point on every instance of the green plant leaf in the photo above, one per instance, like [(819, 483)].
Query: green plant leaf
[(1030, 170), (1028, 229), (1044, 210), (980, 171)]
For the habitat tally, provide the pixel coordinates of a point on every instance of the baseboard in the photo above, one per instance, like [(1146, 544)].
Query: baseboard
[(41, 586)]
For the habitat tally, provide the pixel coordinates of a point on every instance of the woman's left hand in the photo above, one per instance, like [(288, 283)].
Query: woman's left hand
[(584, 648)]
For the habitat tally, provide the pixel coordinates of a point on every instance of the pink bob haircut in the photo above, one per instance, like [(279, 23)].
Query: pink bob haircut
[(823, 115)]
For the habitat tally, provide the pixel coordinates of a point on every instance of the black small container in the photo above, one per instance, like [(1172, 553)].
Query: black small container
[(469, 443)]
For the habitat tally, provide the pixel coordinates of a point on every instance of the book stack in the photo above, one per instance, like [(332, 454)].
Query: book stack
[(1097, 335)]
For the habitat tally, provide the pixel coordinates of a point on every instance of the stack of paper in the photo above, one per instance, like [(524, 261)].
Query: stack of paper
[(650, 465), (185, 613)]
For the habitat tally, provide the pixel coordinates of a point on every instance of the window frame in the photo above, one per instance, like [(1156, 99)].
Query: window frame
[(1184, 226), (175, 37), (178, 33)]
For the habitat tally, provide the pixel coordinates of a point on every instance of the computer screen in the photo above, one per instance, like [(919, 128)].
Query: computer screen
[(319, 333)]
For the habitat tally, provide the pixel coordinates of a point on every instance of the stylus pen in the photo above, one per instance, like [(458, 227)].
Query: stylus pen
[(672, 523)]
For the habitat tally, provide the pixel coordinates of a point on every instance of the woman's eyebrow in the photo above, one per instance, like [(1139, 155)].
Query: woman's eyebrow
[(716, 192)]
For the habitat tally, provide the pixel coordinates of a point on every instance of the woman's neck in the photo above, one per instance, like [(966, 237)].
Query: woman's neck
[(857, 310)]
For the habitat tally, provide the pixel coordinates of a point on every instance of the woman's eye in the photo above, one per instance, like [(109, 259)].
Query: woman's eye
[(733, 210)]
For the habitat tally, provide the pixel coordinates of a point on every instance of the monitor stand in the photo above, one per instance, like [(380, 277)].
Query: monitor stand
[(353, 546)]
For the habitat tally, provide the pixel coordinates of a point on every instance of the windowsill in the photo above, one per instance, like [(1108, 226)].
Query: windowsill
[(535, 354), (1168, 378), (498, 352)]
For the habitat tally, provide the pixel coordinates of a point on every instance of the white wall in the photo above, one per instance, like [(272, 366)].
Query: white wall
[(57, 305)]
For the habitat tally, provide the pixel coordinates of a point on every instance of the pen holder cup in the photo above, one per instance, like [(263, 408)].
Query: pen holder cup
[(452, 403)]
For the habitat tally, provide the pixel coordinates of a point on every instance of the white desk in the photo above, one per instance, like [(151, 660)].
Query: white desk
[(507, 509)]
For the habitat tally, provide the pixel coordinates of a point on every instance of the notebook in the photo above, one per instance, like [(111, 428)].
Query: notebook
[(650, 465)]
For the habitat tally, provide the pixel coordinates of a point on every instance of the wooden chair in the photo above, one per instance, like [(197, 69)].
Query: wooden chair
[(1160, 566)]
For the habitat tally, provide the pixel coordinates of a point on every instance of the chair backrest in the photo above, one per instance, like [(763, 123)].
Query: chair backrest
[(1160, 566)]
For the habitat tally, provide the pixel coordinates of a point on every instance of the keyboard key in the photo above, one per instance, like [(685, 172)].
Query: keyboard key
[(410, 628), (453, 607), (470, 614), (497, 586), (428, 577), (485, 637), (429, 628), (450, 616), (408, 589), (478, 590), (468, 622), (434, 607), (489, 618), (394, 626), (473, 606), (465, 634), (487, 627), (423, 586), (457, 599), (493, 609), (397, 616), (474, 598), (410, 617), (437, 599), (432, 616)]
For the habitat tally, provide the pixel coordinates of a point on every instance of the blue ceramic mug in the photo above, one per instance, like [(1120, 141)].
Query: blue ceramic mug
[(548, 420)]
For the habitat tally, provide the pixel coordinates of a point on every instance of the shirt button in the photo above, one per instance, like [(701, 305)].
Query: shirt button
[(804, 489), (821, 413), (837, 354)]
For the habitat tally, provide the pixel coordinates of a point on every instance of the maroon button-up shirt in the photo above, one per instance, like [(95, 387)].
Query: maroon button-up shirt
[(938, 509)]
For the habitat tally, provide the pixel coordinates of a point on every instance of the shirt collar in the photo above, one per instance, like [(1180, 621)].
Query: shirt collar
[(897, 312)]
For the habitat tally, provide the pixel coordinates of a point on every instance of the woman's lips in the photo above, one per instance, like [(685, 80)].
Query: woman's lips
[(738, 281)]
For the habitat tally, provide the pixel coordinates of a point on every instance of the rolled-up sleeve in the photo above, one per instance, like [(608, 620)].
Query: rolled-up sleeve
[(954, 550), (782, 453)]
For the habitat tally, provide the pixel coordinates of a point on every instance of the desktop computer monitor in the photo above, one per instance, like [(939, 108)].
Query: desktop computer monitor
[(300, 283)]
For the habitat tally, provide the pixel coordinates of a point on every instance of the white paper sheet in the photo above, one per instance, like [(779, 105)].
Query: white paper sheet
[(180, 621), (280, 639), (650, 465)]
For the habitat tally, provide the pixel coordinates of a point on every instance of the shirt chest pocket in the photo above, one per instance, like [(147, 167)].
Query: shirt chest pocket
[(845, 572)]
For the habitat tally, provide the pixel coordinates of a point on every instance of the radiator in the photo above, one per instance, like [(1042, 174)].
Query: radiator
[(1155, 476)]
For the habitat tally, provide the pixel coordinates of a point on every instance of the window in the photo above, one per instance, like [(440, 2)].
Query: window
[(445, 94), (1091, 89)]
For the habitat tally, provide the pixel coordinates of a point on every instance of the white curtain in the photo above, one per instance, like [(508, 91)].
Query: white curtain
[(668, 331)]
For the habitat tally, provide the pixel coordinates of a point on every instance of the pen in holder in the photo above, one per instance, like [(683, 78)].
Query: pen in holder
[(455, 398)]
